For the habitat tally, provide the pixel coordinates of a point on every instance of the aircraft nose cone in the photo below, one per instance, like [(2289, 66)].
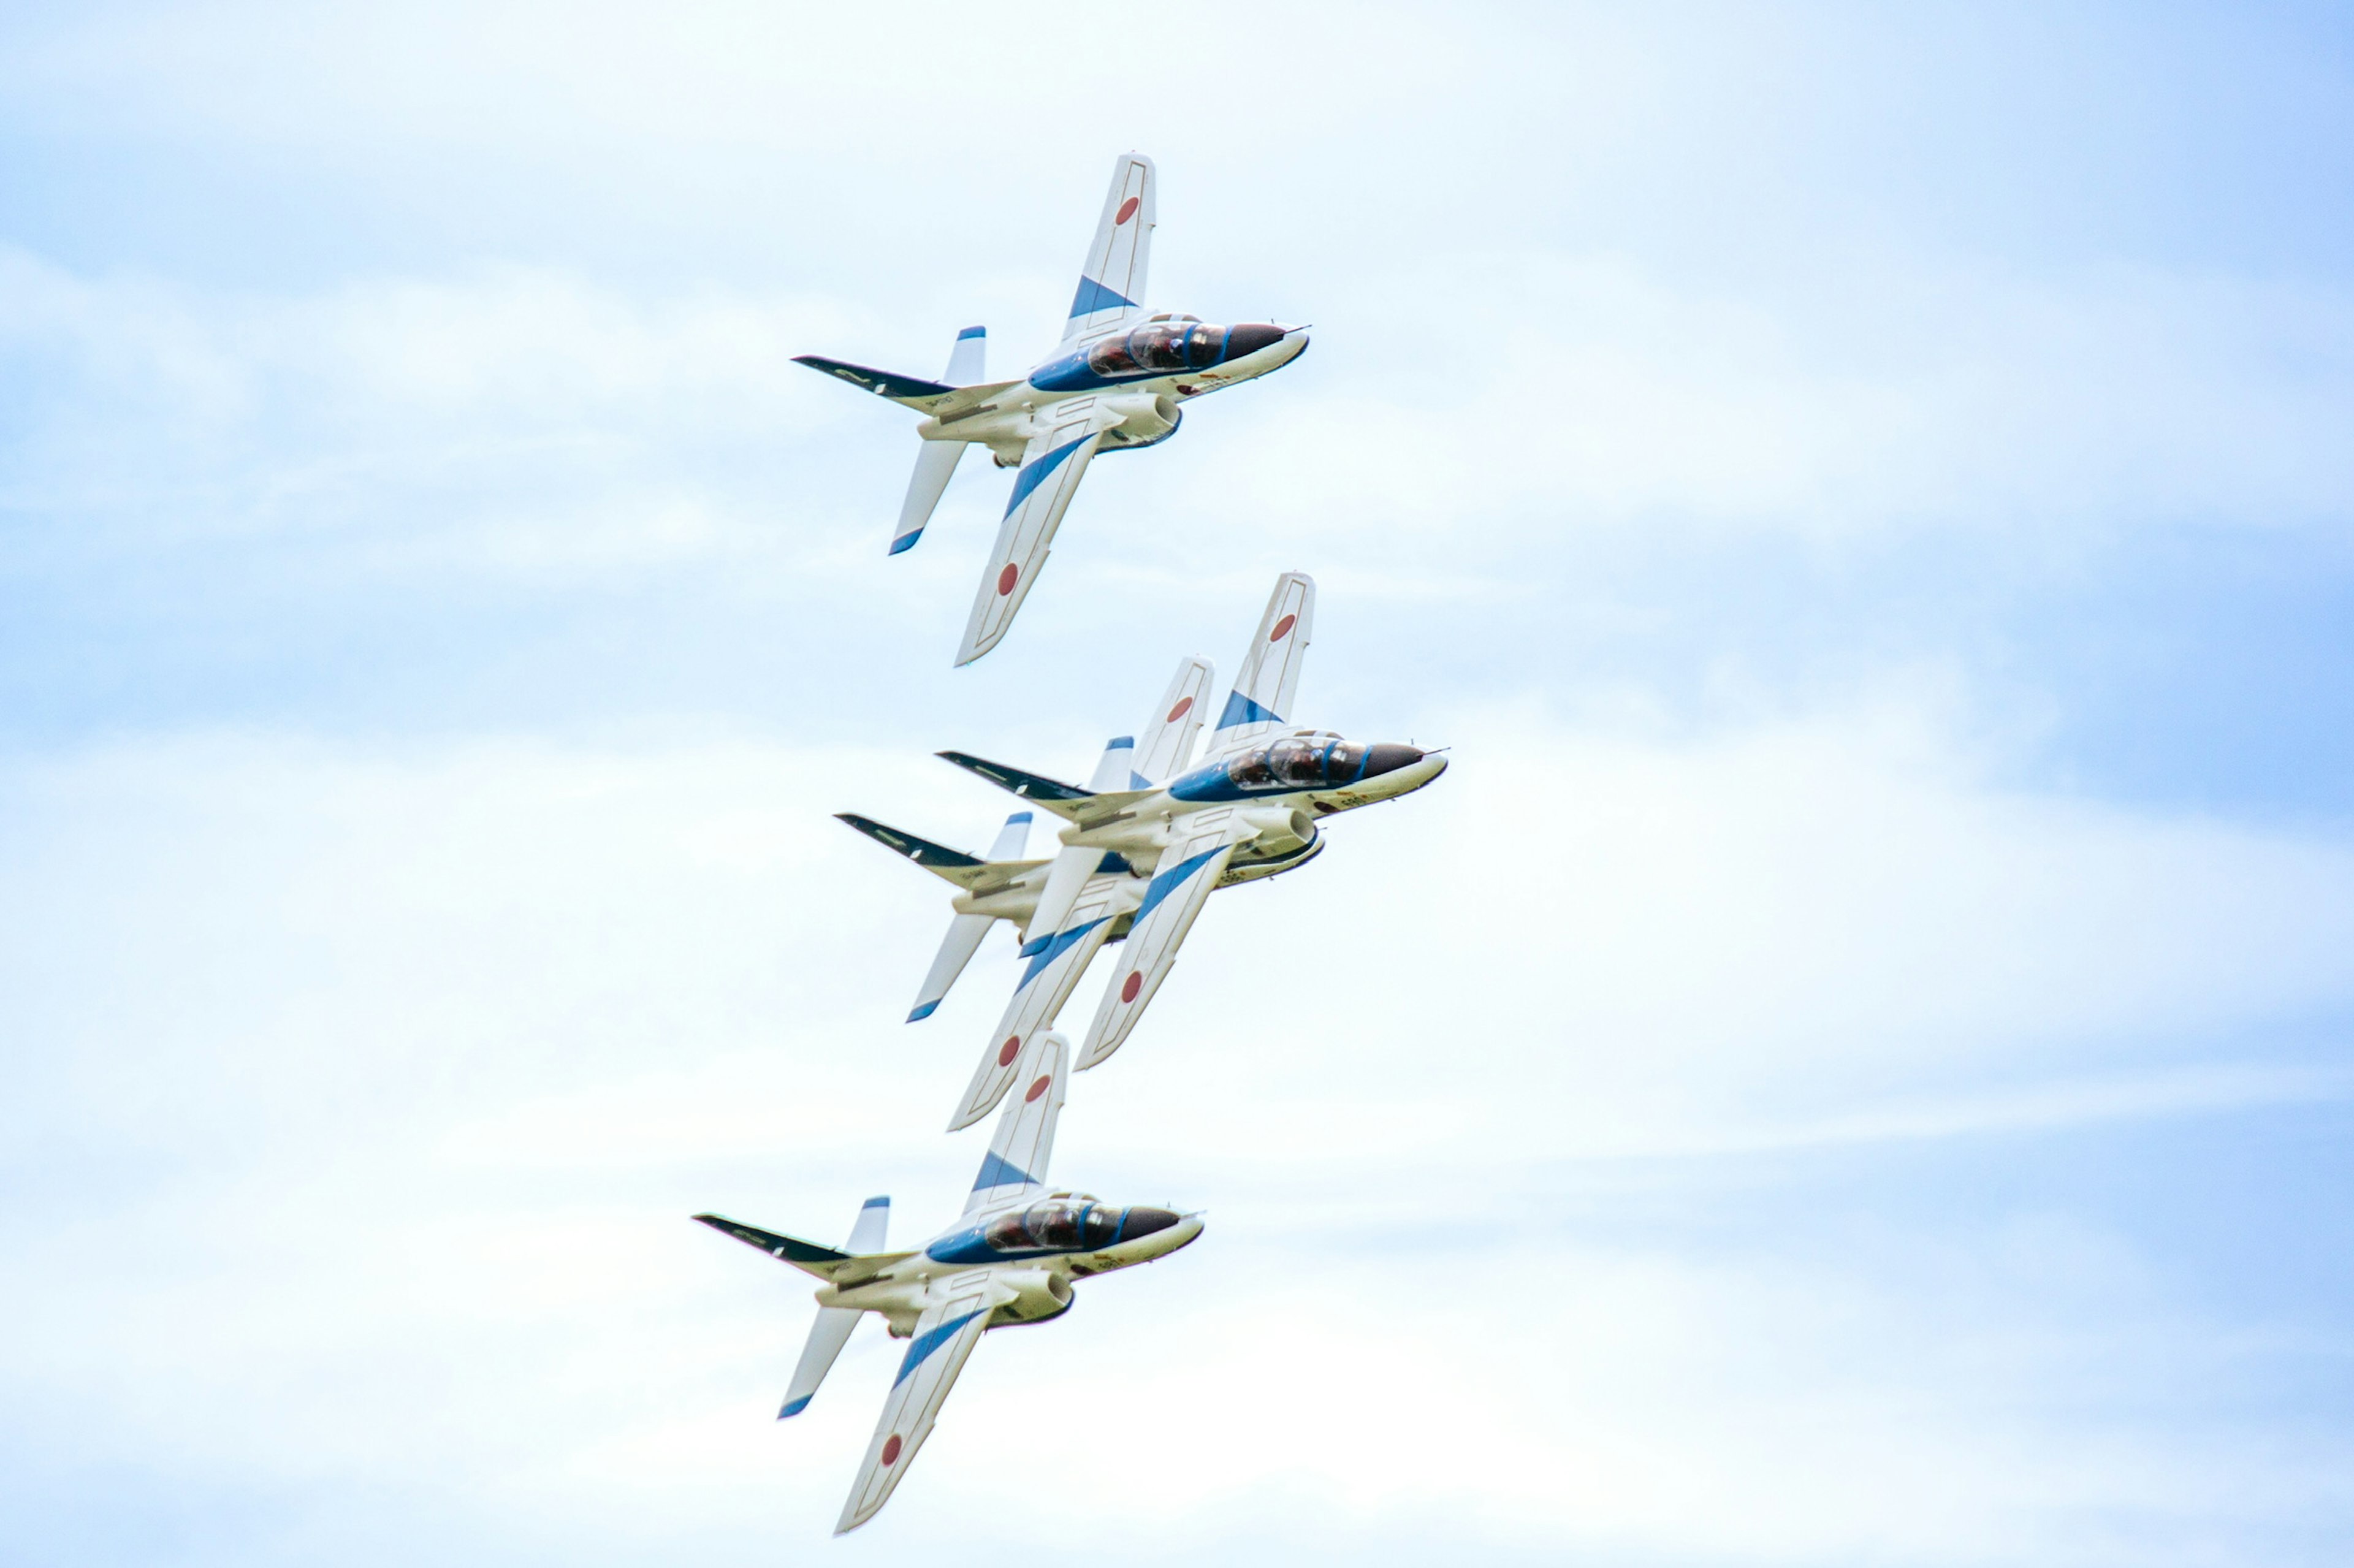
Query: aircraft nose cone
[(1388, 758), (1142, 1222), (1249, 337)]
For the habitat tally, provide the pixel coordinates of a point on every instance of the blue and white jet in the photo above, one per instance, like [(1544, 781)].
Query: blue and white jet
[(1116, 383), (1009, 1259), (1150, 839)]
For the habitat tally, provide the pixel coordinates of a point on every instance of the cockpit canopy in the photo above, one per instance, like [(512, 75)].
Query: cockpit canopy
[(1298, 762), (1159, 347), (1056, 1224)]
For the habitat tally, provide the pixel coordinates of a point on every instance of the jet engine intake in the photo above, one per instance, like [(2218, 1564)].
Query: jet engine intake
[(1143, 419), (1281, 831), (1040, 1293)]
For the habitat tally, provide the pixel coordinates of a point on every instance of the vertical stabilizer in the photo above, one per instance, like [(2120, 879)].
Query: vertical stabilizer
[(1073, 867), (1115, 769), (936, 463), (832, 1330)]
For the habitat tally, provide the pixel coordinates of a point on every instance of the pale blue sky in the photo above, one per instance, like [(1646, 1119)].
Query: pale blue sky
[(1851, 1067)]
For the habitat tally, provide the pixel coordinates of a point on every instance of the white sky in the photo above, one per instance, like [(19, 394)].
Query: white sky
[(1835, 1073)]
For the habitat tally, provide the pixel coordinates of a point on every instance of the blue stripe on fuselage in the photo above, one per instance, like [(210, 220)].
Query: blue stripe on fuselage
[(1035, 473)]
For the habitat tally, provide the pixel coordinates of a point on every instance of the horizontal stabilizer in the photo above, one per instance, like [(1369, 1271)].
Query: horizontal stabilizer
[(882, 383), (957, 948), (936, 463), (832, 1328), (821, 1261), (1053, 794), (932, 857)]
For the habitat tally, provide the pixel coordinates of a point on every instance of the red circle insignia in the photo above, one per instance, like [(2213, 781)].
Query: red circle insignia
[(1185, 705), (1126, 210), (1036, 1089), (1282, 628), (891, 1449), (1005, 1052), (1135, 983), (1006, 579)]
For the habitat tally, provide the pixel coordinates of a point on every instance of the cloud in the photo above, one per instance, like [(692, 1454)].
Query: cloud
[(441, 1044)]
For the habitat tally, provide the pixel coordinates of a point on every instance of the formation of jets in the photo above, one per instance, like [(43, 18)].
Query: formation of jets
[(1150, 838), (1155, 831)]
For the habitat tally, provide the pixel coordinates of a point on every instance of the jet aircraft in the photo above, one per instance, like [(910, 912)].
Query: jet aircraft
[(1149, 840), (1010, 1259), (1116, 383)]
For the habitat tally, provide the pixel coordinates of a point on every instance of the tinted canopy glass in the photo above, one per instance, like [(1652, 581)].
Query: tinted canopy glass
[(1057, 1225)]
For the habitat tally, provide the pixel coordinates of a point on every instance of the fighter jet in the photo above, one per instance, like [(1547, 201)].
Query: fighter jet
[(1150, 839), (1010, 1259), (1117, 383)]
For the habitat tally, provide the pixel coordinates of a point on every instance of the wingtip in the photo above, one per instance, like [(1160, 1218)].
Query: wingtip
[(904, 542), (794, 1407), (923, 1011)]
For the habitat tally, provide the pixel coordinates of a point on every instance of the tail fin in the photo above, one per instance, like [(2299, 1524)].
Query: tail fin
[(1116, 769), (832, 1330), (1013, 838), (1269, 678), (1025, 1145), (1073, 867), (1167, 743), (1112, 281), (938, 461)]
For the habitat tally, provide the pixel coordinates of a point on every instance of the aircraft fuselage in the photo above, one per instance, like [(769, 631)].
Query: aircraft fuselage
[(1143, 374), (1035, 1246)]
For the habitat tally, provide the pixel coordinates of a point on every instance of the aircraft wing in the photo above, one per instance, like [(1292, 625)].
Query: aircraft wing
[(945, 1335), (1052, 464), (1260, 703), (1112, 279), (1047, 983), (1189, 873), (1015, 1165), (1166, 742)]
